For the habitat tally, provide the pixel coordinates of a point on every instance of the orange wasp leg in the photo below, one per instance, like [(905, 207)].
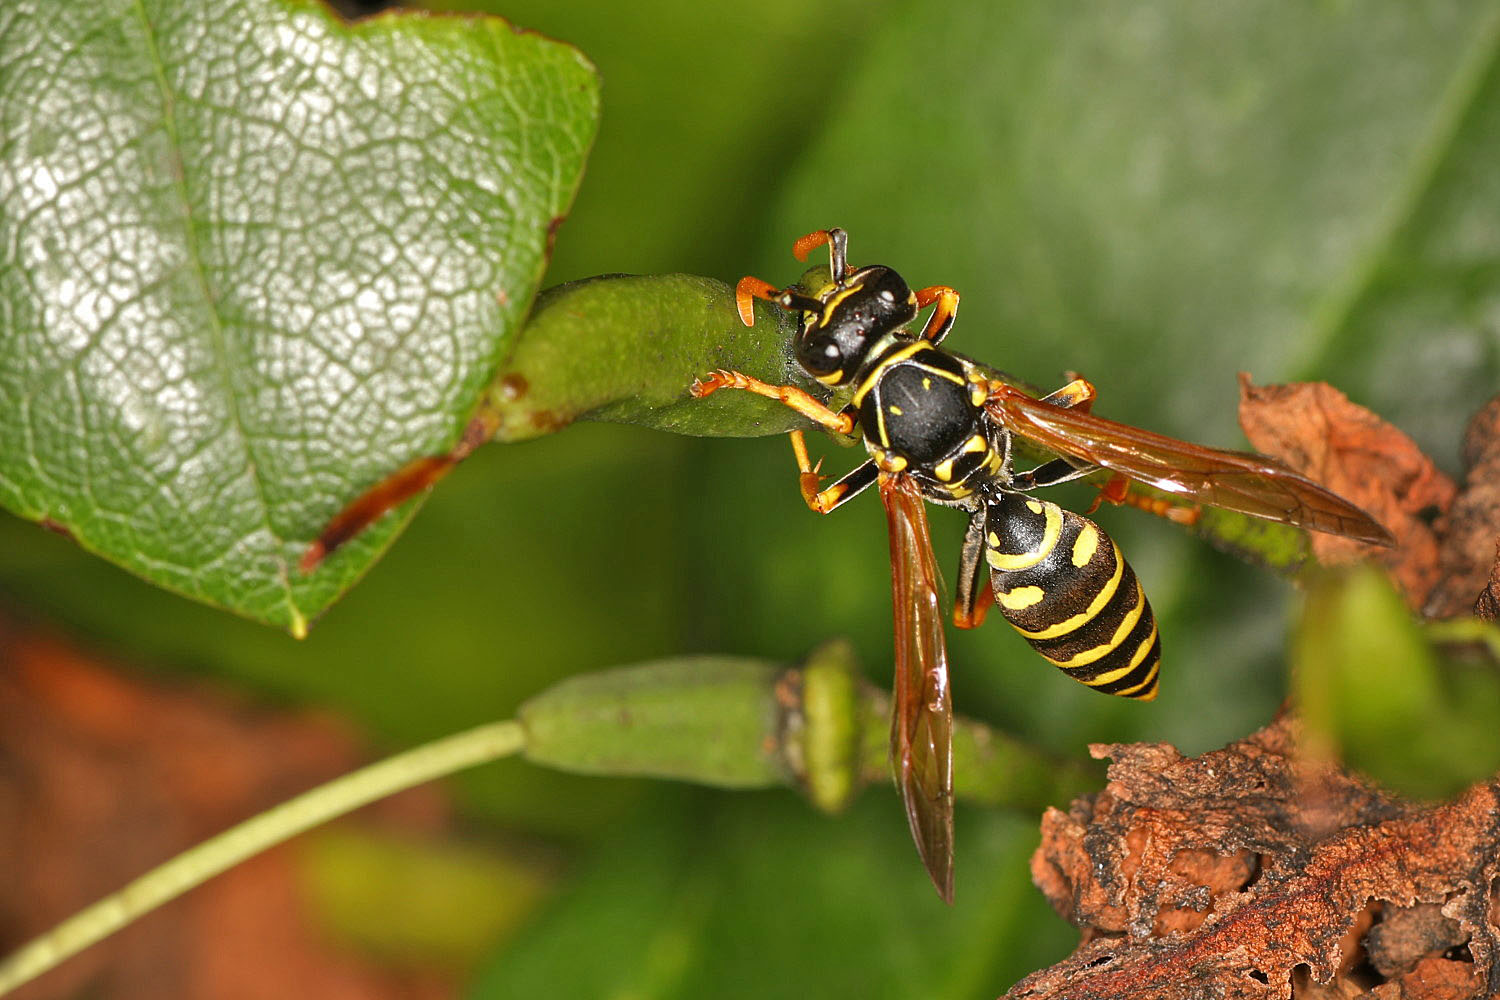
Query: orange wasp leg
[(788, 395), (814, 410), (1078, 394), (941, 320), (826, 501), (1116, 490)]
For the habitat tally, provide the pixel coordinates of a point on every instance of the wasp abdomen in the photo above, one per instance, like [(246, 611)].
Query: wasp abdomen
[(1062, 583)]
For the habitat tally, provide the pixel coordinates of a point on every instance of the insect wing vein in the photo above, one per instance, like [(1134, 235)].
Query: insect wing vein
[(922, 716), (1240, 481)]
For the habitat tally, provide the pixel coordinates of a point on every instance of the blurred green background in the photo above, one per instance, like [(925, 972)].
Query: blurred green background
[(1156, 194)]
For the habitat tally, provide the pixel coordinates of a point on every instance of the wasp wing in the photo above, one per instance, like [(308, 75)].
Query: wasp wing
[(1235, 480), (922, 716)]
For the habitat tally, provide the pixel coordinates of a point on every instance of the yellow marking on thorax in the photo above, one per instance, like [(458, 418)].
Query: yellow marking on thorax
[(895, 358), (1085, 545), (944, 470), (896, 411), (1021, 597), (976, 443), (1024, 560), (1081, 619), (1102, 650)]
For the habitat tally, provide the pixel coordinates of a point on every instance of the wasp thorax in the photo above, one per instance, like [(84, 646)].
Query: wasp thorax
[(855, 315)]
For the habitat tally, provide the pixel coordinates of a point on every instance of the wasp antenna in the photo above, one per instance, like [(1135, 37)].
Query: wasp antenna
[(838, 250), (838, 254), (807, 244), (794, 300)]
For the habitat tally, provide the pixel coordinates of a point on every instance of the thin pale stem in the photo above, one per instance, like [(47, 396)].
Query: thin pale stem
[(199, 864)]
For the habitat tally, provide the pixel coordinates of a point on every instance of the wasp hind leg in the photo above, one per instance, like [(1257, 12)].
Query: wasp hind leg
[(974, 594), (1080, 394), (1116, 490), (1053, 473)]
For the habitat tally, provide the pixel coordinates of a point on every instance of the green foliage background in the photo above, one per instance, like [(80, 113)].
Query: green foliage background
[(1156, 194)]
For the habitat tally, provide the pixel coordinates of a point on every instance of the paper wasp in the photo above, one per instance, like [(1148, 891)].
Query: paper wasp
[(941, 428)]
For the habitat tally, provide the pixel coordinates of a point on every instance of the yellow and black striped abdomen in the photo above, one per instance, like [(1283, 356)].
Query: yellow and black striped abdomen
[(1062, 583)]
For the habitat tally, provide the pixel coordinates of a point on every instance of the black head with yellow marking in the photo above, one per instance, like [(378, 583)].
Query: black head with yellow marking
[(844, 320)]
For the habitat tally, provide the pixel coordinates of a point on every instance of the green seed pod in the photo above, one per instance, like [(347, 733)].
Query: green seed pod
[(710, 719), (729, 722)]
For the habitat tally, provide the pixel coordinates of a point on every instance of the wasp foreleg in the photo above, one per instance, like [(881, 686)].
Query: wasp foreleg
[(941, 320)]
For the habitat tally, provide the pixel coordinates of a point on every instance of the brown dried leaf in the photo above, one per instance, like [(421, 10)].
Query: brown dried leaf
[(102, 777), (1327, 851), (1315, 429), (1467, 556)]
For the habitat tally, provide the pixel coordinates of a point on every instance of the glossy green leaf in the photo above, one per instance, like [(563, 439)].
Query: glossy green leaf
[(255, 258)]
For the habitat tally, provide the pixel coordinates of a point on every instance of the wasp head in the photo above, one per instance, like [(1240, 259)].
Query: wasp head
[(845, 320)]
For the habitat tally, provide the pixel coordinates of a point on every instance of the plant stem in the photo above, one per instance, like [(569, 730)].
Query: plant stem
[(198, 864)]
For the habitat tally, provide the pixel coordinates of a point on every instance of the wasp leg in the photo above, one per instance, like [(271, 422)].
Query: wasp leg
[(838, 250), (824, 501), (1077, 395), (1052, 473), (974, 596), (841, 422), (1116, 490), (941, 320)]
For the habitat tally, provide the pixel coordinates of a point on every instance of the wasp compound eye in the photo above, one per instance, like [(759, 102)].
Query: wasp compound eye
[(820, 355), (890, 293)]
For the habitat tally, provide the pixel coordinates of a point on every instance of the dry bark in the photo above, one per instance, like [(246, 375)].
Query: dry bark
[(1250, 872)]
